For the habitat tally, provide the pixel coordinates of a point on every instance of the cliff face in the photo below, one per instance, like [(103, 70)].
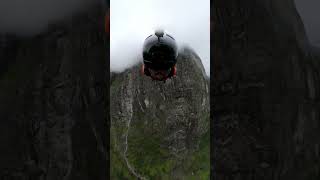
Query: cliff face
[(266, 93), (53, 94), (161, 130)]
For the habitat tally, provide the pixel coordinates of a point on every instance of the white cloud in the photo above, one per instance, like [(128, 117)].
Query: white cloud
[(132, 21)]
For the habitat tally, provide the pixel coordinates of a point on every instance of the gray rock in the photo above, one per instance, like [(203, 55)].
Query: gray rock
[(266, 93), (53, 109), (173, 115)]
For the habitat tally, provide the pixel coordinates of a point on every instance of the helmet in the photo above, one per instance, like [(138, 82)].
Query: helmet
[(160, 51)]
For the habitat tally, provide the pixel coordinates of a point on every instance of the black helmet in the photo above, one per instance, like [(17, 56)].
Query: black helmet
[(160, 51)]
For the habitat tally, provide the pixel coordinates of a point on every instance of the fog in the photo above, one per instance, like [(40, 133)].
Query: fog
[(29, 17), (188, 21)]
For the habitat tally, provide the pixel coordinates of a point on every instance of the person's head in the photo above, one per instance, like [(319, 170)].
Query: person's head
[(160, 53)]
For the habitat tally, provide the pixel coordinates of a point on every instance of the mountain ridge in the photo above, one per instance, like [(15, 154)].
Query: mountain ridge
[(173, 116)]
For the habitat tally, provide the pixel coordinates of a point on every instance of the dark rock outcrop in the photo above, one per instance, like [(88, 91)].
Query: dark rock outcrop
[(54, 106), (266, 93), (158, 128)]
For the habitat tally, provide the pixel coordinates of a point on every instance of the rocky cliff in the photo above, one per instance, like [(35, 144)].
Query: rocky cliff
[(161, 130), (266, 93), (53, 94)]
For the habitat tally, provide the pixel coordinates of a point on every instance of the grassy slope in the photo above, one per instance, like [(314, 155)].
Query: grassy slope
[(155, 162)]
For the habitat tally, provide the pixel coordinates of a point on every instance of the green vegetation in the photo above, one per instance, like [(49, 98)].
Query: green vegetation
[(146, 155), (152, 161), (118, 167), (200, 160)]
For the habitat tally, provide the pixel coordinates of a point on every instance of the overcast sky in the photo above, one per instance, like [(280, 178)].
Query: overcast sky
[(188, 21), (133, 20), (309, 11), (29, 17)]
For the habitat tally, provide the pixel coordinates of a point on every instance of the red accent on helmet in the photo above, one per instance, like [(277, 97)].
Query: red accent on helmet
[(174, 71)]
